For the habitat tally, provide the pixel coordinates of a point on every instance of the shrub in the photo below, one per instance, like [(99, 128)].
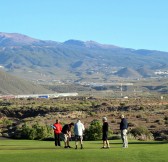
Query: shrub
[(147, 120), (122, 104), (166, 118), (132, 124), (115, 137), (139, 116), (6, 122), (157, 121), (166, 121), (142, 108), (94, 132), (34, 131), (5, 135), (113, 121), (92, 113), (142, 133), (162, 137), (131, 136), (153, 126)]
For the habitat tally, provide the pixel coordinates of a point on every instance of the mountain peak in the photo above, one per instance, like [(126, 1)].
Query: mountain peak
[(14, 39), (92, 44), (74, 42), (88, 44)]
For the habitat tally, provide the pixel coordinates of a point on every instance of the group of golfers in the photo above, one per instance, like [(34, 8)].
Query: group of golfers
[(79, 130)]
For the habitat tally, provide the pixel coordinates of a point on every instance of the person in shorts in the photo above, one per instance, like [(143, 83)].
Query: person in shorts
[(105, 133), (66, 130), (78, 130)]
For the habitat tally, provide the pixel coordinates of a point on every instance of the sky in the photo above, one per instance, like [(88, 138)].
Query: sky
[(137, 24)]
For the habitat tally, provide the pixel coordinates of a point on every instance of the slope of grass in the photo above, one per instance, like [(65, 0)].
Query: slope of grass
[(40, 151)]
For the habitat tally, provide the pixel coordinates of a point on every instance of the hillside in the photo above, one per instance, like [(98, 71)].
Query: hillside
[(147, 112), (12, 85), (145, 72), (74, 60), (128, 73)]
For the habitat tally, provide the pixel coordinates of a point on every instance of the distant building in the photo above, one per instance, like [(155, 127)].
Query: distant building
[(54, 95), (161, 72)]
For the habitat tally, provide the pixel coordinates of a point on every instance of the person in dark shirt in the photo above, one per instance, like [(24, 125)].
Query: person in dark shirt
[(66, 130), (105, 133), (123, 128)]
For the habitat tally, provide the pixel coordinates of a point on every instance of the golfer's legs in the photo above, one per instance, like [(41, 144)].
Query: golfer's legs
[(125, 140)]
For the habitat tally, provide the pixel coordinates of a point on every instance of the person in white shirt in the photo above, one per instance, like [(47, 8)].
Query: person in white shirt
[(78, 130)]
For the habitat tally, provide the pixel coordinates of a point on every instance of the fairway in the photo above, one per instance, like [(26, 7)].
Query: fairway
[(44, 151)]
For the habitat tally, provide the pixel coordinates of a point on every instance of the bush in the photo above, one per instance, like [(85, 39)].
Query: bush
[(166, 118), (157, 121), (142, 133), (131, 124), (5, 135), (162, 137), (113, 121), (147, 120), (94, 132), (6, 122), (139, 116), (122, 104), (115, 137), (34, 131), (166, 121), (153, 126), (92, 113)]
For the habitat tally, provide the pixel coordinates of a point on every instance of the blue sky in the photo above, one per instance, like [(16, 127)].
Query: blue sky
[(138, 24)]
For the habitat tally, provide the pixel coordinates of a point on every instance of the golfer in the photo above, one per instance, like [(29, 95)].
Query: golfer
[(78, 130), (123, 128)]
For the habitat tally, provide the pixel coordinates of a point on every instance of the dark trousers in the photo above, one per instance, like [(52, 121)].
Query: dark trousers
[(57, 139)]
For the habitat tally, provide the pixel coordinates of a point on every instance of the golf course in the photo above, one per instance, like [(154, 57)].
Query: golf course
[(45, 151)]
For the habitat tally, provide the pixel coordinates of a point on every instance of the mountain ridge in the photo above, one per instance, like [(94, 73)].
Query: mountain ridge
[(72, 59)]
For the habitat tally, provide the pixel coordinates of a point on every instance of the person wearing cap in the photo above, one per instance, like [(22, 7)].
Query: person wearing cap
[(105, 133), (57, 131), (123, 128), (78, 130), (66, 130)]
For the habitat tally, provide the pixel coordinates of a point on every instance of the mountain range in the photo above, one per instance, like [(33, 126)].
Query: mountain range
[(75, 60)]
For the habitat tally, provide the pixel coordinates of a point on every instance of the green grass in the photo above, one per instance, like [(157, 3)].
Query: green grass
[(42, 151)]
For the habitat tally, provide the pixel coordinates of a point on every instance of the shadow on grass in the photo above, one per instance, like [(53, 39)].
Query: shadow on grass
[(140, 142), (149, 142), (30, 148)]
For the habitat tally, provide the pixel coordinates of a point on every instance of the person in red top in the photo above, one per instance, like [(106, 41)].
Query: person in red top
[(57, 132)]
